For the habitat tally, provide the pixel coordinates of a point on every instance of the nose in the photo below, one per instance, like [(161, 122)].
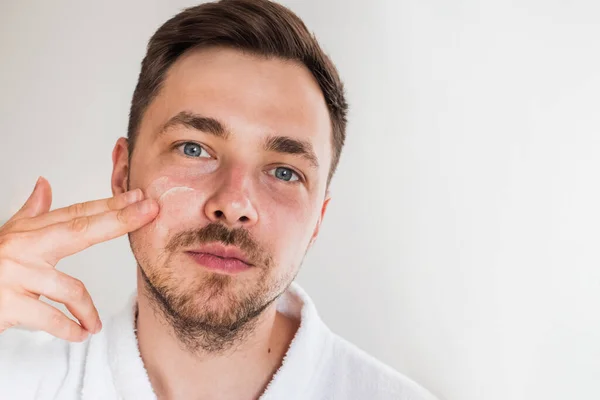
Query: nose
[(231, 204)]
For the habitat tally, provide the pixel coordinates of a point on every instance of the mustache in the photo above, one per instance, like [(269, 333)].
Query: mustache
[(215, 232)]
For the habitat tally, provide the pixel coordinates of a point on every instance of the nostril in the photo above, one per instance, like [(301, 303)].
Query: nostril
[(219, 214), (244, 219)]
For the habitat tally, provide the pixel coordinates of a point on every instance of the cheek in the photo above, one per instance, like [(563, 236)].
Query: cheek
[(288, 223), (177, 205), (180, 207)]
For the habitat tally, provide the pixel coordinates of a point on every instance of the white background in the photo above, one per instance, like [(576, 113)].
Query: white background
[(461, 245)]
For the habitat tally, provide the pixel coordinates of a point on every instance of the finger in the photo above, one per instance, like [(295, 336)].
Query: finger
[(38, 202), (60, 240), (36, 314), (64, 289), (80, 210)]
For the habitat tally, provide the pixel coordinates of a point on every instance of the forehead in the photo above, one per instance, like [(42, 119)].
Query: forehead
[(253, 96)]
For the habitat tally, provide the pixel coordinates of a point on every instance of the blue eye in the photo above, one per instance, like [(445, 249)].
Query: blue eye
[(191, 149), (285, 174)]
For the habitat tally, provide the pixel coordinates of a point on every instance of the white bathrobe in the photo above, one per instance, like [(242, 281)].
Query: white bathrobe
[(319, 365)]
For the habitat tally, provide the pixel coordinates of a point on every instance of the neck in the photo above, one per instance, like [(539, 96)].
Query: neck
[(241, 372)]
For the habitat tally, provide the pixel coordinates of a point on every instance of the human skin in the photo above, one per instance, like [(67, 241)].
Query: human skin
[(36, 238), (235, 182)]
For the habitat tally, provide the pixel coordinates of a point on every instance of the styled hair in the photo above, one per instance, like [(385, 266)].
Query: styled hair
[(259, 27)]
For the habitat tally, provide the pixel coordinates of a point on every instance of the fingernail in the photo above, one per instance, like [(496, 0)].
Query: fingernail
[(145, 206), (98, 327), (37, 183), (132, 196), (32, 192)]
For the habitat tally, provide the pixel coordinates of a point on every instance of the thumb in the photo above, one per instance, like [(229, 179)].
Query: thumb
[(39, 201)]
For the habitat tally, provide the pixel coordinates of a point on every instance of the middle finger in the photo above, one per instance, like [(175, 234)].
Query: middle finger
[(80, 210)]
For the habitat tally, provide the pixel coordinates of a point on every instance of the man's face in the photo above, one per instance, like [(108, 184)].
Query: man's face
[(236, 149)]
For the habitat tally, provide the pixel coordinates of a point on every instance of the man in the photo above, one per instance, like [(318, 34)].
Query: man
[(236, 128)]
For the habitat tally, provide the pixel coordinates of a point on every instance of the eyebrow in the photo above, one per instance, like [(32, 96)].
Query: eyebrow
[(197, 122), (278, 144), (288, 145)]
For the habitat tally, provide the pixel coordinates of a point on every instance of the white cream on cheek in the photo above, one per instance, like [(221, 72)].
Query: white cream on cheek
[(179, 206), (173, 191)]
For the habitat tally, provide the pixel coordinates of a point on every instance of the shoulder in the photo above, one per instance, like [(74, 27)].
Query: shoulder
[(341, 369), (358, 375), (34, 362)]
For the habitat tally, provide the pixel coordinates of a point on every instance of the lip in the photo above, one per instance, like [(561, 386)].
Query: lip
[(220, 258)]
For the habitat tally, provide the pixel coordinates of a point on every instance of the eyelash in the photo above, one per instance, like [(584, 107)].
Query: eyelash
[(180, 145), (300, 177)]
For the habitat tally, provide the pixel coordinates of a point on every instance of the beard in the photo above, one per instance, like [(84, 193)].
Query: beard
[(207, 311)]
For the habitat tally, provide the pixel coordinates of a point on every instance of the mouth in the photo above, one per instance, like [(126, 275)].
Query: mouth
[(220, 258)]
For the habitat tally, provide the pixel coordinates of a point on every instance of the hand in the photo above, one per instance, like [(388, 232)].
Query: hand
[(35, 239)]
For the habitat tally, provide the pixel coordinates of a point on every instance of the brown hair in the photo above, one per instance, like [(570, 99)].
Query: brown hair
[(257, 26)]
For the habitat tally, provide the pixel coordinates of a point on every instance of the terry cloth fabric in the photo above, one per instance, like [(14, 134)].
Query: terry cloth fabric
[(319, 365)]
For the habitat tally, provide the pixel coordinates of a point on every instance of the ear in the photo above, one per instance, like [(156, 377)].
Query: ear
[(120, 174), (321, 217)]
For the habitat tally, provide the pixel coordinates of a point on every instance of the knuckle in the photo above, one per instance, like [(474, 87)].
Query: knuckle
[(17, 226), (77, 290), (79, 224), (122, 217), (10, 226), (56, 280), (8, 241), (112, 203), (76, 210), (56, 320)]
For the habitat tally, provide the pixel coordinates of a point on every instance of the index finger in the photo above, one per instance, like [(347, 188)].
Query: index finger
[(80, 210), (60, 240)]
